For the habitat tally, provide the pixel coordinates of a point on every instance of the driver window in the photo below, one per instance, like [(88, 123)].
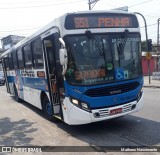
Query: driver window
[(79, 53)]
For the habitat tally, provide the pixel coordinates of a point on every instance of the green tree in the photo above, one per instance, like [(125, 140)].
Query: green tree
[(143, 46)]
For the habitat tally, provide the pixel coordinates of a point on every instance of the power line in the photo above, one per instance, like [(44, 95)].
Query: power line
[(20, 26), (26, 2), (35, 28), (110, 2), (140, 3), (149, 25), (151, 16), (18, 30), (115, 3), (23, 7)]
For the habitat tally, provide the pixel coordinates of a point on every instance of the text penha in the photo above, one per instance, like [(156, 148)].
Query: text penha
[(113, 22)]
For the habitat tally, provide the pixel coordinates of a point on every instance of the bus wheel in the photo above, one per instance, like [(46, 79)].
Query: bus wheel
[(16, 97), (47, 108)]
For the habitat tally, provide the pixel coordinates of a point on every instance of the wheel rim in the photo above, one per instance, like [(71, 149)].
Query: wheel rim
[(49, 109)]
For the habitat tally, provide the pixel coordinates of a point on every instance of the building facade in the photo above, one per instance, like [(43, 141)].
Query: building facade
[(154, 64), (9, 41)]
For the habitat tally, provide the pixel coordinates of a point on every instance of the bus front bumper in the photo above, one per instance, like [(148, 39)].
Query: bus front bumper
[(78, 116)]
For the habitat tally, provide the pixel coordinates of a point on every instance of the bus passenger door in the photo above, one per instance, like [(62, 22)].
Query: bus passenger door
[(4, 63), (50, 58)]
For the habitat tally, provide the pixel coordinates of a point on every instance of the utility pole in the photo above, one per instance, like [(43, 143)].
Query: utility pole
[(158, 45), (148, 52), (158, 35), (90, 2)]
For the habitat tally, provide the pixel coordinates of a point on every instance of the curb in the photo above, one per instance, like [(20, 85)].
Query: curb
[(151, 86)]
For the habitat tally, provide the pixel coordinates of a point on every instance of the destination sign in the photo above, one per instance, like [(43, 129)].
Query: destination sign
[(82, 21)]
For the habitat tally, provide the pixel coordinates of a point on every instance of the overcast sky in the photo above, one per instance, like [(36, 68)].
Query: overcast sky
[(24, 17)]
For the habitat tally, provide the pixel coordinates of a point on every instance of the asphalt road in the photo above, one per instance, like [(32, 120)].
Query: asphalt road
[(22, 124)]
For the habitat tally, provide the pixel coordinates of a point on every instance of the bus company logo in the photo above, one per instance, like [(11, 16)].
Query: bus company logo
[(115, 92)]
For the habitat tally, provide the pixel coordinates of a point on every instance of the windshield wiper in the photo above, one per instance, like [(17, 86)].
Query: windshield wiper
[(121, 45), (100, 50)]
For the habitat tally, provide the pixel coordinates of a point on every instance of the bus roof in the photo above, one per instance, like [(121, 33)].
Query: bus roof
[(54, 23), (101, 11)]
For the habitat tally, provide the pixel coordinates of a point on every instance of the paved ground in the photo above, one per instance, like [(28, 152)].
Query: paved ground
[(24, 125), (153, 83)]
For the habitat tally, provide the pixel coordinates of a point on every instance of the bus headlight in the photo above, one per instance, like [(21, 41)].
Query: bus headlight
[(84, 105), (75, 101), (80, 104)]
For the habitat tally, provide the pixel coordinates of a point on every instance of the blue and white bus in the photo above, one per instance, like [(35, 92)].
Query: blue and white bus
[(83, 67)]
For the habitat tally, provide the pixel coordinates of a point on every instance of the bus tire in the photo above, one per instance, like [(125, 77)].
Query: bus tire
[(16, 97), (47, 108)]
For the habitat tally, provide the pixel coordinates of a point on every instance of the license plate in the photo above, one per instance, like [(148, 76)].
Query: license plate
[(115, 111)]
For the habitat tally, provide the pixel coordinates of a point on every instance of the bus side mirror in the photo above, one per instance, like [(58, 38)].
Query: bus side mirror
[(63, 56)]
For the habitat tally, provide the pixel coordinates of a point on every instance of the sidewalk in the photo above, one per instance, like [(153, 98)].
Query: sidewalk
[(153, 83)]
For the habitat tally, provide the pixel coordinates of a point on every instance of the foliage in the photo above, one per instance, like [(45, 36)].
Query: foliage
[(144, 46)]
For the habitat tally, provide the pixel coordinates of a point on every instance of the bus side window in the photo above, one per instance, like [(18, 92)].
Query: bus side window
[(10, 59), (37, 53), (20, 58), (6, 63), (27, 56), (15, 62), (1, 68)]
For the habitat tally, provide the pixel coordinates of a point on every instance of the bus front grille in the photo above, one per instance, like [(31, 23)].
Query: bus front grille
[(106, 111), (112, 90)]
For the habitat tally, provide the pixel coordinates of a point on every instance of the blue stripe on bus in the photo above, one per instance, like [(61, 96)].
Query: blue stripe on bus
[(103, 101), (36, 83)]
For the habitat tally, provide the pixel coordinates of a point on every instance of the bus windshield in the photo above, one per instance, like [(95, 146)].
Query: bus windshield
[(103, 58)]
